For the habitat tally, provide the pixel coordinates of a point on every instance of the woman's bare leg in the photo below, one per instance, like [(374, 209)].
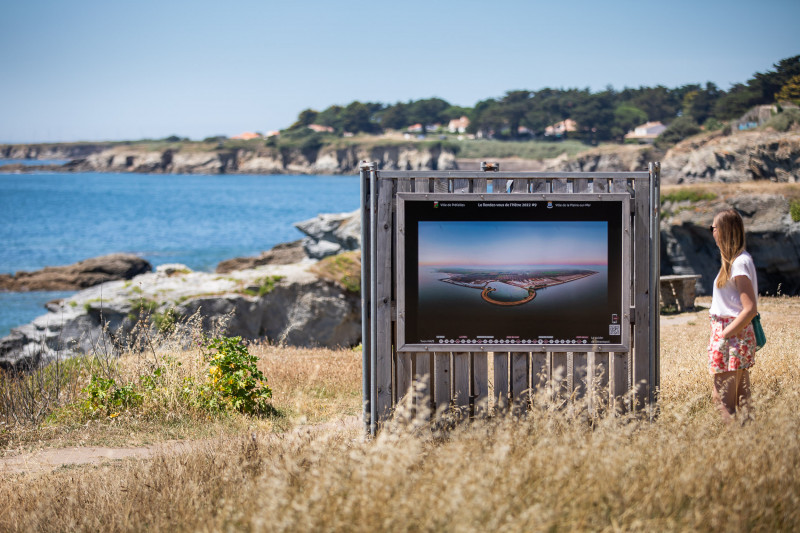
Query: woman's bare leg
[(743, 393), (724, 394)]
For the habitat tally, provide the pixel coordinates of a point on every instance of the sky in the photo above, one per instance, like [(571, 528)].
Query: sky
[(513, 243), (94, 70)]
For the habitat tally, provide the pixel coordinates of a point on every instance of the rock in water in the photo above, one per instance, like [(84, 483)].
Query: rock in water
[(77, 276)]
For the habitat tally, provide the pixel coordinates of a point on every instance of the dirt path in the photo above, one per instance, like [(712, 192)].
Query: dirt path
[(48, 460)]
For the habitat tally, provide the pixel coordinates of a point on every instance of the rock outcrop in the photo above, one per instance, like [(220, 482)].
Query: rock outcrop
[(773, 239), (265, 160), (77, 276), (282, 303), (331, 234), (733, 158), (281, 254)]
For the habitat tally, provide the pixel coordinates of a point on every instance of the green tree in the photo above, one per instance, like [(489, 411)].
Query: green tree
[(427, 111), (305, 118), (790, 92), (394, 116), (680, 128), (627, 117), (513, 108)]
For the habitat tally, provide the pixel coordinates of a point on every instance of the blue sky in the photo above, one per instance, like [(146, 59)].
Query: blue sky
[(513, 243), (107, 70)]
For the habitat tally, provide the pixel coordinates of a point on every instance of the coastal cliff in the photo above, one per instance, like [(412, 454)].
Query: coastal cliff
[(189, 159)]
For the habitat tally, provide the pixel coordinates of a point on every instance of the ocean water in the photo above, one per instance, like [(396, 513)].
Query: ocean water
[(49, 219)]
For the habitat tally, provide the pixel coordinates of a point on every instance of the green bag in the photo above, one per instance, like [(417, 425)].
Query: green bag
[(761, 338)]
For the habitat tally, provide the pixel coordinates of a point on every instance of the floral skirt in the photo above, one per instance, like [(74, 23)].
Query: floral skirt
[(731, 354)]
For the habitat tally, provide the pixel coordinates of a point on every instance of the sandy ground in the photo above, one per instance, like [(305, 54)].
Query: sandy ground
[(51, 459)]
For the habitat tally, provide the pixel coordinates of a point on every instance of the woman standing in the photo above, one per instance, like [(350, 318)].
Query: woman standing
[(732, 348)]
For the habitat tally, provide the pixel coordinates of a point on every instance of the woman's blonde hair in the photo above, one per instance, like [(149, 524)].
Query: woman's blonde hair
[(730, 236)]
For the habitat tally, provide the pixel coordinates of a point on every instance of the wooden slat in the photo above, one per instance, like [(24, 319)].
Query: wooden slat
[(422, 384), (441, 381), (461, 185), (520, 380), (441, 185), (405, 375), (618, 380), (461, 381), (541, 375), (383, 290), (479, 185), (580, 378), (559, 185), (540, 185), (500, 380), (560, 375), (600, 185), (641, 274), (600, 379), (581, 185), (480, 384)]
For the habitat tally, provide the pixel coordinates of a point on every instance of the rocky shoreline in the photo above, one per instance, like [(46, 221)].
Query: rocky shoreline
[(714, 156), (285, 300)]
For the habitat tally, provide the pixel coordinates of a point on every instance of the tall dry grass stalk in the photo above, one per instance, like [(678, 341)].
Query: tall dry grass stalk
[(547, 471)]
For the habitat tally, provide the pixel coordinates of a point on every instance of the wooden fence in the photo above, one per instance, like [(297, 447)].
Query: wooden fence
[(477, 383)]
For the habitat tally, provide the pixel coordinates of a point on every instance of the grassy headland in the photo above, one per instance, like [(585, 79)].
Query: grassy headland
[(554, 469)]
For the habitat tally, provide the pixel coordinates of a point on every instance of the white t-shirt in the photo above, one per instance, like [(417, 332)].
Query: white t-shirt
[(725, 302)]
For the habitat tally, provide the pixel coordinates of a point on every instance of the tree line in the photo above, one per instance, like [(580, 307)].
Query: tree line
[(600, 116)]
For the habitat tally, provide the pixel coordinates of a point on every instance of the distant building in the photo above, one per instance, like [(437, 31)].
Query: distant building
[(319, 128), (646, 133), (414, 128), (458, 125), (755, 117), (272, 133), (560, 128), (248, 135)]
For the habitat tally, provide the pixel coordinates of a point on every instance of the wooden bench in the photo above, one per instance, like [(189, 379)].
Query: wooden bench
[(678, 291)]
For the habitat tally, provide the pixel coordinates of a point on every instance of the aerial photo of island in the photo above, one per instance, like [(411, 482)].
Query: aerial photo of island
[(528, 279), (508, 264)]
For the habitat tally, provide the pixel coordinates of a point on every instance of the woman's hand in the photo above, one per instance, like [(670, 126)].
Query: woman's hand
[(749, 310)]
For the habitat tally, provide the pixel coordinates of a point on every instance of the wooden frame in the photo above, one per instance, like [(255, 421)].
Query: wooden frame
[(476, 383), (400, 266)]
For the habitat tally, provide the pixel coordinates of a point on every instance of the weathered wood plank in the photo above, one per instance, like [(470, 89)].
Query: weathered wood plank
[(423, 371), (541, 376), (479, 185), (480, 384), (540, 185), (641, 329), (559, 185), (520, 380), (405, 375), (441, 185), (580, 378), (560, 375), (581, 185), (500, 380), (383, 290), (441, 382), (461, 381), (461, 185), (618, 380), (600, 379)]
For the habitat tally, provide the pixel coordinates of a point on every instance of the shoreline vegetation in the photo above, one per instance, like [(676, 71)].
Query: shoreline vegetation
[(305, 467)]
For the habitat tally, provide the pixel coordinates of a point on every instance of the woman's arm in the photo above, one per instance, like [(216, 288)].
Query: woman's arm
[(749, 311)]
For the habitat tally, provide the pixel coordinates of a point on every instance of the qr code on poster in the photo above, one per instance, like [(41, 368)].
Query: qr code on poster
[(614, 329)]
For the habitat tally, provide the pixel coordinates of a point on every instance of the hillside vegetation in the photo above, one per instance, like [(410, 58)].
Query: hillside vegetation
[(555, 469)]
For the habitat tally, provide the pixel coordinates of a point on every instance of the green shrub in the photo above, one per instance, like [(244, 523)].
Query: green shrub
[(683, 195), (234, 381), (794, 209), (105, 396), (680, 129), (785, 120), (265, 286)]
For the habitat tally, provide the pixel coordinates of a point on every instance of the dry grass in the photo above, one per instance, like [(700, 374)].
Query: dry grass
[(727, 190), (549, 471)]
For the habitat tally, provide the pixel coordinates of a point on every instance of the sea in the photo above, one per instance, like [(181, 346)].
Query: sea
[(54, 218)]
